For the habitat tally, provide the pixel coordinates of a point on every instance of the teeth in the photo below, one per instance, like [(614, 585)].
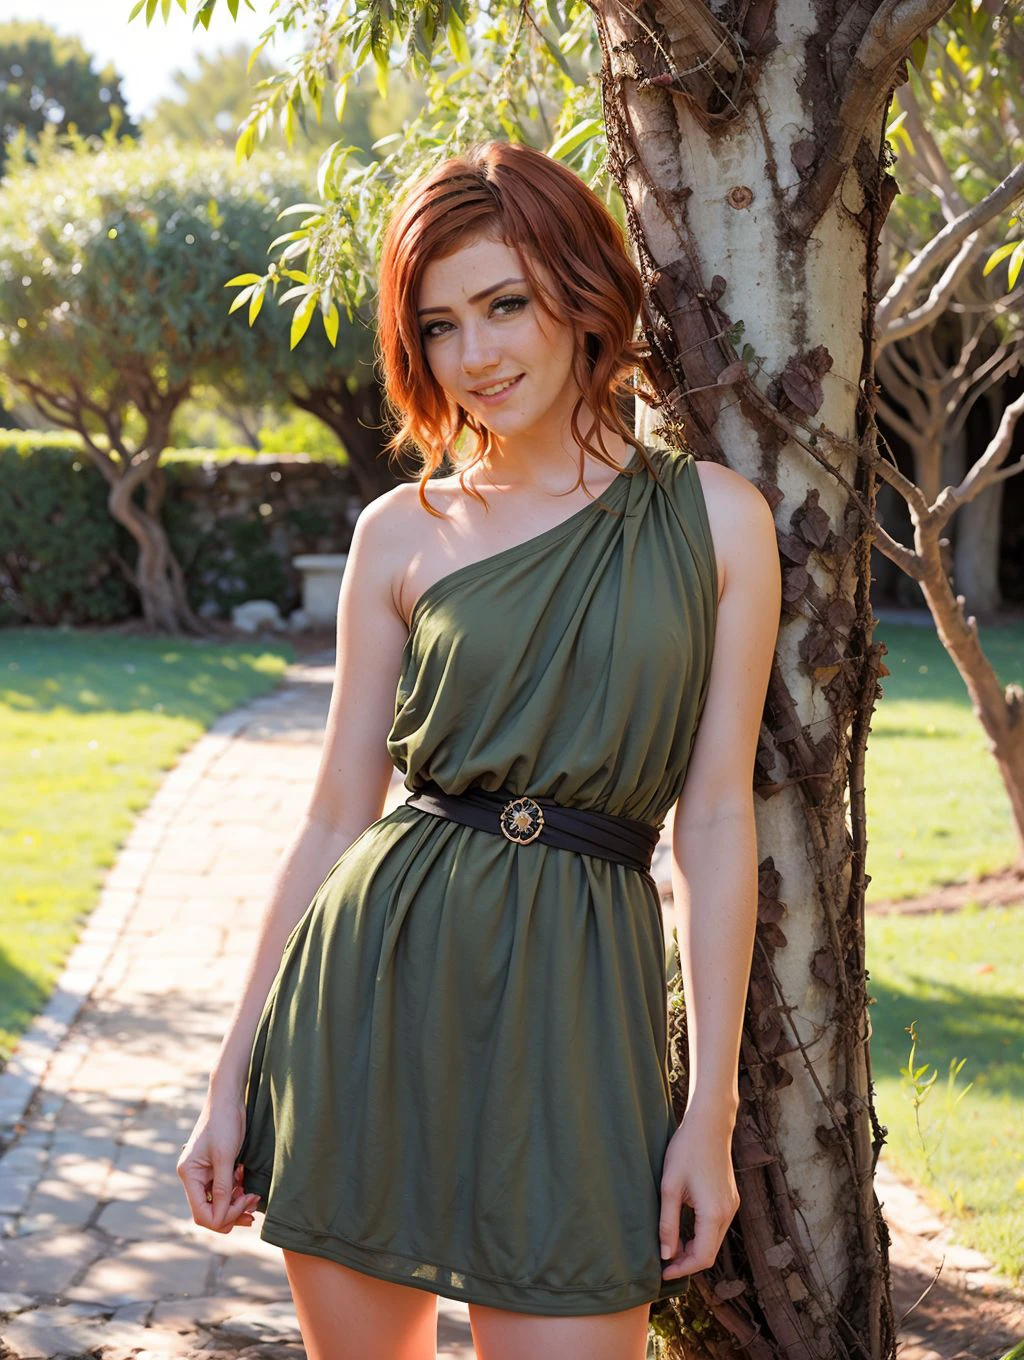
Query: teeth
[(490, 391)]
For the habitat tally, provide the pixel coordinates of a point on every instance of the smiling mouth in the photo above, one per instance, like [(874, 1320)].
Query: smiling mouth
[(506, 387)]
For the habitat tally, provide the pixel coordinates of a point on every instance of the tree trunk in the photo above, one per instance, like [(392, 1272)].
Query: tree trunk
[(739, 215), (978, 537), (159, 579), (1000, 712), (357, 419)]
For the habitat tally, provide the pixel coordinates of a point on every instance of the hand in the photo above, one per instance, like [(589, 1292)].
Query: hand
[(213, 1183), (697, 1170)]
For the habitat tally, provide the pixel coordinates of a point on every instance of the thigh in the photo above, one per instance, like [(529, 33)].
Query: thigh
[(346, 1314), (499, 1334)]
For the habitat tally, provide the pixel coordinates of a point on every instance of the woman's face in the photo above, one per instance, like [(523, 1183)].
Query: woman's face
[(473, 342)]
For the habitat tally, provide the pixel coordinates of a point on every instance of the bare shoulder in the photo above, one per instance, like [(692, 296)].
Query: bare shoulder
[(741, 522), (390, 530)]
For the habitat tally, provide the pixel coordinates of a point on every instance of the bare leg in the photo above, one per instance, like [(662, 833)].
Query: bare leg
[(345, 1314), (499, 1334)]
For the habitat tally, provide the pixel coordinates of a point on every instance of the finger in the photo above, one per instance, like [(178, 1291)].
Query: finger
[(700, 1252), (195, 1180), (221, 1201), (668, 1225)]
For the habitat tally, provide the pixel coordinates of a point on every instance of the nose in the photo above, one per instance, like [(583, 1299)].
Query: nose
[(479, 356)]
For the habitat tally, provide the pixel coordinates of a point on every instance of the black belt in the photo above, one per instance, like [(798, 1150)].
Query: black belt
[(522, 819)]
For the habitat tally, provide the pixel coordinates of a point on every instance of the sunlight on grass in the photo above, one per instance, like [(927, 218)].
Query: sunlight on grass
[(89, 723), (936, 807), (959, 976)]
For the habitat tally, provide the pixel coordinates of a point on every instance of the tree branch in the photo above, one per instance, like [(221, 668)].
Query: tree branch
[(896, 327), (941, 247), (869, 76)]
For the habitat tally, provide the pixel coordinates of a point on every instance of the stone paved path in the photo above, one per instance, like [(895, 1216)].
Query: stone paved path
[(98, 1253)]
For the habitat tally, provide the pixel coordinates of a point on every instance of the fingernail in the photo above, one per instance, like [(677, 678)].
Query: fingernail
[(666, 1252)]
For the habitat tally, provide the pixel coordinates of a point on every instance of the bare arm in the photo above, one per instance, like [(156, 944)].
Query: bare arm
[(347, 796), (714, 867), (352, 780)]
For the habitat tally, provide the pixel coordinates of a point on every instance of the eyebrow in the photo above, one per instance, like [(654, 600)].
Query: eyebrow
[(477, 297)]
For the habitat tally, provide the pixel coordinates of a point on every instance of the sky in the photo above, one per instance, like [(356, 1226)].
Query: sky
[(146, 58)]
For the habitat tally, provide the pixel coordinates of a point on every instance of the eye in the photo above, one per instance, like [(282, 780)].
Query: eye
[(516, 302)]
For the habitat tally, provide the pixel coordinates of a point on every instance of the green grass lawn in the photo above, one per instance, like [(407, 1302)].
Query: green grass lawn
[(959, 978), (89, 723), (936, 808), (938, 813)]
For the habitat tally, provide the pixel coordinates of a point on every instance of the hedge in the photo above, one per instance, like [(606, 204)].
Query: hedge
[(65, 560)]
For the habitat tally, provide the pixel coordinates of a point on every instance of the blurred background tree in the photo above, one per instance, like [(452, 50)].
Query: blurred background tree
[(48, 79)]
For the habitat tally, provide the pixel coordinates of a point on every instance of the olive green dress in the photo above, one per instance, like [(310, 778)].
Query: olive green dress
[(459, 1080)]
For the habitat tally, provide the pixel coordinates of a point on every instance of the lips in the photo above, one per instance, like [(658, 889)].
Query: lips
[(510, 382)]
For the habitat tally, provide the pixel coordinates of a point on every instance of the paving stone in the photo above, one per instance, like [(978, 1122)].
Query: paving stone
[(268, 1322), (44, 1263), (254, 1276), (188, 1314), (145, 1219), (58, 1204), (133, 1312), (146, 1270), (14, 1303), (964, 1258), (49, 1333)]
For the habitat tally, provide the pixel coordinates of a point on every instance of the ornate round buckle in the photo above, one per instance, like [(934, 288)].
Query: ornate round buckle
[(521, 820)]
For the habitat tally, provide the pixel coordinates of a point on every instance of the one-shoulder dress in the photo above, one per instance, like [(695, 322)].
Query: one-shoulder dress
[(459, 1080)]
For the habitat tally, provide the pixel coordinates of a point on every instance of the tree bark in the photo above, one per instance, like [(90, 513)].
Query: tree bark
[(159, 579), (755, 201)]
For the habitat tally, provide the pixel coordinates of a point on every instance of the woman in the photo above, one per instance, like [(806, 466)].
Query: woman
[(447, 1071)]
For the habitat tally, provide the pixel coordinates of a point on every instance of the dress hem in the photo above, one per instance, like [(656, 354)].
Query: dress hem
[(348, 1254)]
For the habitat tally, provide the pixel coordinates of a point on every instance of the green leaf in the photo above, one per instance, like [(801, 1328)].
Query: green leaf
[(317, 208), (300, 290), (919, 51), (242, 278), (556, 52), (241, 299), (287, 236), (254, 55), (998, 255), (233, 10), (301, 319), (256, 303), (575, 138), (150, 10), (380, 76), (246, 143), (137, 9), (897, 122), (289, 123), (340, 96), (331, 321), (457, 37), (165, 9), (1016, 260)]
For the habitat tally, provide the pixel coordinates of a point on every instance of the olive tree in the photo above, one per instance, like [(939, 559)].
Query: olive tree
[(112, 308)]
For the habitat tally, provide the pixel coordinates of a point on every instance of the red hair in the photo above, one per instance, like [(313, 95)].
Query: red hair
[(536, 206)]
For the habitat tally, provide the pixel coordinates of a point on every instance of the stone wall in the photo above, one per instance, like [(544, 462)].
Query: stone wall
[(236, 526)]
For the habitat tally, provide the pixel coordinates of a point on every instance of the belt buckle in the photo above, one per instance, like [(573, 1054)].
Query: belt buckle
[(521, 820)]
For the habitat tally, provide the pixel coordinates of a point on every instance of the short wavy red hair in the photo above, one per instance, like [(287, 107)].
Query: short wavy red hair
[(522, 197)]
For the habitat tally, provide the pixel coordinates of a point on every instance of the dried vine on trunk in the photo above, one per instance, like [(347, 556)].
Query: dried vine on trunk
[(793, 1278)]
